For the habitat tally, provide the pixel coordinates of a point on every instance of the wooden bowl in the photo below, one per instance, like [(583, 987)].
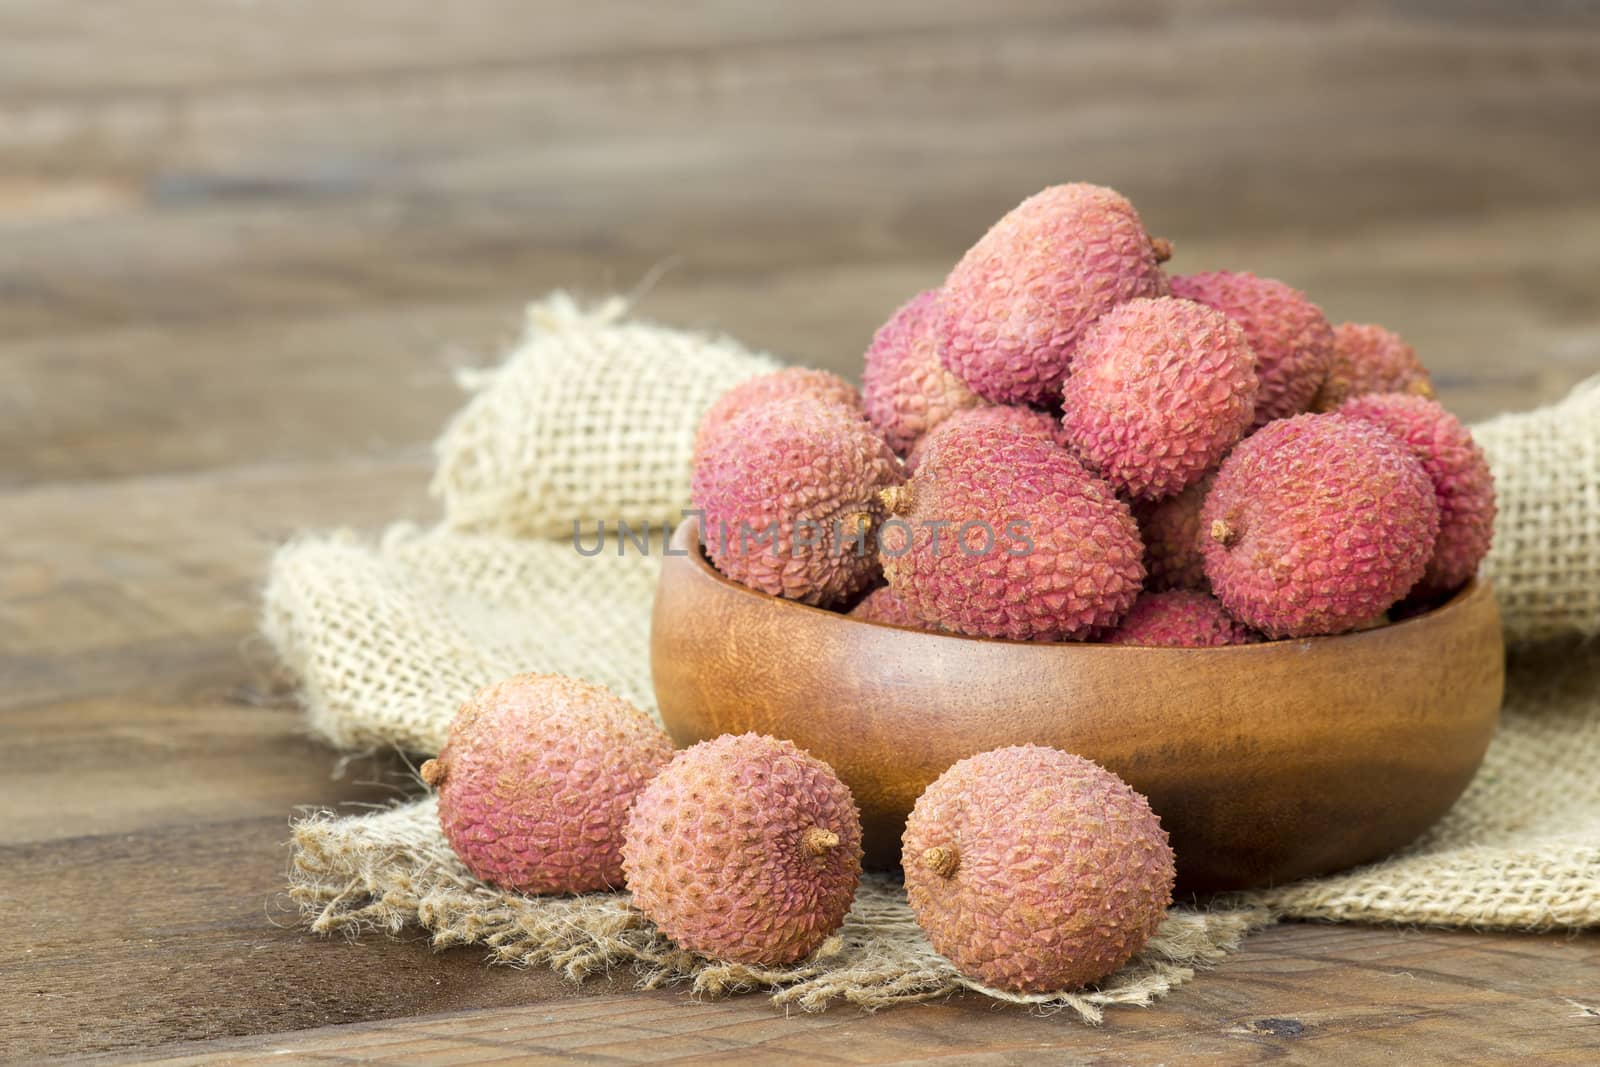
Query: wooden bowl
[(1266, 762)]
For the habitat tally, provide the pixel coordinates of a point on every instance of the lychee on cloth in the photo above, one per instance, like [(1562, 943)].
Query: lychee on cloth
[(592, 416)]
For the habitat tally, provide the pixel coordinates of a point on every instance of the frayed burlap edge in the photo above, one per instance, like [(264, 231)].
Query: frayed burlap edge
[(393, 869), (592, 416)]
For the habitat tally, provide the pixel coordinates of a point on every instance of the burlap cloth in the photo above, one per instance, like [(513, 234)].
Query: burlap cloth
[(592, 416)]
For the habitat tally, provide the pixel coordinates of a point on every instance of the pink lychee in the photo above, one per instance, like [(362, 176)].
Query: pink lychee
[(882, 606), (1291, 337), (1174, 548), (907, 390), (1160, 390), (1179, 618), (1041, 424), (788, 496), (1317, 524), (536, 778), (745, 848), (782, 384), (1460, 476), (1013, 309), (1370, 359), (1002, 534)]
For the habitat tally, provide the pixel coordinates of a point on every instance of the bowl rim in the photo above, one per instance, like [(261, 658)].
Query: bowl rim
[(688, 531)]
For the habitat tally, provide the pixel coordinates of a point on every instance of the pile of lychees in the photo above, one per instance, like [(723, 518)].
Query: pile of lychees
[(1062, 443), (1031, 869), (1065, 443)]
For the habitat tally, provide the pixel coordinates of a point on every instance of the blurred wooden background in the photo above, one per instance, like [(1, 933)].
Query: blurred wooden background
[(244, 245)]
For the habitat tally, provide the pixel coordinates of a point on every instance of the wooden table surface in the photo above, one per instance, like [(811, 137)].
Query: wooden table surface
[(243, 247)]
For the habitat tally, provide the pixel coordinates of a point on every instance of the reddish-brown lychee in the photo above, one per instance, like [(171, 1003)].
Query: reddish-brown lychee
[(1042, 424), (746, 849), (1174, 548), (1180, 618), (1316, 524), (1461, 481), (778, 385), (1160, 390), (1291, 337), (882, 606), (1012, 311), (788, 496), (1370, 359), (907, 390), (1002, 534), (536, 779), (1035, 871)]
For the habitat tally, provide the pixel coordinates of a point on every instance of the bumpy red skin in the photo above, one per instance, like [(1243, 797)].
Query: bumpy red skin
[(1160, 390), (778, 385), (1061, 871), (1370, 359), (1461, 481), (1072, 566), (1180, 618), (536, 779), (1316, 525), (1012, 311), (906, 390), (1291, 337), (882, 606), (1041, 424), (716, 856), (793, 462), (1174, 551)]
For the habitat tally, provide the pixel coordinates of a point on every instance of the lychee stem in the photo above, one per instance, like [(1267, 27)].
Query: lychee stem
[(818, 841), (1223, 533), (942, 860), (431, 772), (1162, 247), (896, 499), (862, 523)]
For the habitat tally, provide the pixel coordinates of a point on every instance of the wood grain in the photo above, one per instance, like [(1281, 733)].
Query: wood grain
[(212, 199), (1400, 994), (1267, 763), (244, 246)]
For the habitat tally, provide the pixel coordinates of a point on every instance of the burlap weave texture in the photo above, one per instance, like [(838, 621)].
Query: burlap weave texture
[(592, 417)]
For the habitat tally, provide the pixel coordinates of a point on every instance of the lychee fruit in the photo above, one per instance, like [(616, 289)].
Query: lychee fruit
[(1316, 524), (1179, 618), (787, 493), (821, 385), (1460, 475), (745, 849), (1036, 871), (1174, 550), (1160, 390), (1022, 420), (907, 390), (1002, 534), (1370, 359), (882, 606), (1014, 307), (536, 778), (1291, 337)]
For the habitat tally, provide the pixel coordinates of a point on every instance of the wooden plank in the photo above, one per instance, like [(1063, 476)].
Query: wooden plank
[(171, 45), (129, 939), (151, 797), (155, 758), (242, 248), (1296, 994), (146, 588), (339, 240), (1524, 336)]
